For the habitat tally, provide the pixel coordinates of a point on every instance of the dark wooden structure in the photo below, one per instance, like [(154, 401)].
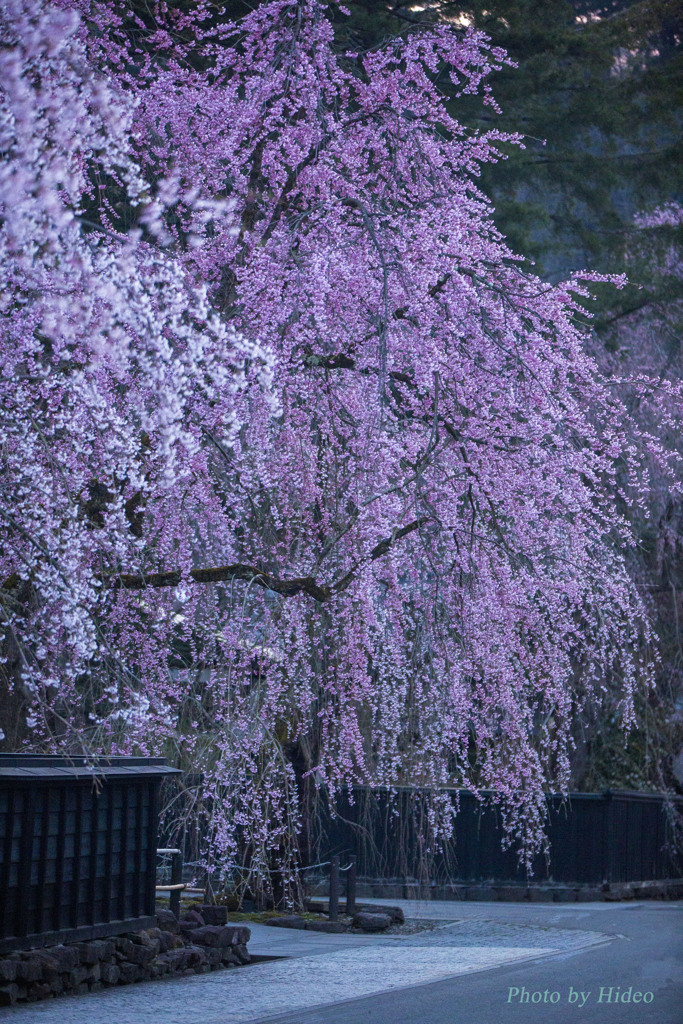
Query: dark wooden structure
[(78, 841), (594, 838)]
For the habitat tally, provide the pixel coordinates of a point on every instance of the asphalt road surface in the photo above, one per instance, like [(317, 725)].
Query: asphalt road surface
[(636, 976)]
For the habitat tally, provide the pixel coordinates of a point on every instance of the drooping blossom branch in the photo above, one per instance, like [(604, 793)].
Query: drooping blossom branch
[(397, 541)]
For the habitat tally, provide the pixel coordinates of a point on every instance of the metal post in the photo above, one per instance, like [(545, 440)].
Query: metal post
[(334, 889), (176, 879), (351, 886)]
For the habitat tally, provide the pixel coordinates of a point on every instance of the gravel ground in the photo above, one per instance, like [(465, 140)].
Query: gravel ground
[(413, 927), (483, 931)]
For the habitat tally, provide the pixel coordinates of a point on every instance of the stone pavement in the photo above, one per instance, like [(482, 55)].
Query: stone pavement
[(321, 969)]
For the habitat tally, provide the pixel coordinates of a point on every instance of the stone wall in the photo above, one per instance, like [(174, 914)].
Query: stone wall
[(200, 942), (395, 889)]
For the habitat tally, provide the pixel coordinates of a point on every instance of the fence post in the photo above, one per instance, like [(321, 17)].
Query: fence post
[(209, 896), (351, 885), (334, 889), (606, 845), (176, 879)]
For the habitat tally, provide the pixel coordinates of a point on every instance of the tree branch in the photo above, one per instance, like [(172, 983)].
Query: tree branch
[(287, 588), (221, 573)]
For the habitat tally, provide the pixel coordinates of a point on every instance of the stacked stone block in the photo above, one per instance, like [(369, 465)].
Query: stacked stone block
[(200, 942)]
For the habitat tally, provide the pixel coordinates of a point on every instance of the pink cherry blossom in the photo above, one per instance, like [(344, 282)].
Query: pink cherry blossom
[(300, 456)]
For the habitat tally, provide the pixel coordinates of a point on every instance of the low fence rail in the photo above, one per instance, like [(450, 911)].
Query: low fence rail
[(334, 891)]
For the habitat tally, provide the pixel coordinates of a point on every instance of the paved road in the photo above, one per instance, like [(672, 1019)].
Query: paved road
[(314, 969), (644, 953), (476, 967)]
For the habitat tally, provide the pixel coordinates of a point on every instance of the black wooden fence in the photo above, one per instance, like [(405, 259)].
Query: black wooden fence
[(594, 838), (78, 847)]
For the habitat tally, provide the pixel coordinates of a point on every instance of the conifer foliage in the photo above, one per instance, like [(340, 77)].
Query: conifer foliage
[(295, 454)]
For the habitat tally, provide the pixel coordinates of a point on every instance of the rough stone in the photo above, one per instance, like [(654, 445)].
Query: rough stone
[(97, 950), (88, 966), (110, 973), (396, 914), (124, 946), (332, 927), (564, 895), (288, 921), (389, 891), (142, 955), (49, 965), (214, 956), (618, 891), (371, 922), (57, 985), (76, 977), (479, 892), (510, 893), (193, 918), (29, 968), (153, 944), (131, 973), (8, 971), (540, 895), (214, 914), (443, 892), (39, 990), (175, 959), (9, 994), (168, 940), (416, 891), (588, 895), (196, 956), (241, 953), (649, 890), (67, 956), (211, 935), (167, 921)]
